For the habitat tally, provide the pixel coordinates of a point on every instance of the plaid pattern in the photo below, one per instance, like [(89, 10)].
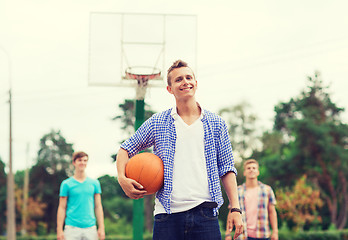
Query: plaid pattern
[(159, 132), (265, 196)]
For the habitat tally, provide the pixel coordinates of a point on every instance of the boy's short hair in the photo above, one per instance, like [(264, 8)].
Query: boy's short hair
[(79, 154), (249, 161), (177, 64)]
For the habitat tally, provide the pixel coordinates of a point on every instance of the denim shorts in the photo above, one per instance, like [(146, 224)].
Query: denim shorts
[(76, 233), (197, 223)]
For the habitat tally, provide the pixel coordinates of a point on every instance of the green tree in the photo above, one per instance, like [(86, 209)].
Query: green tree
[(315, 143), (52, 167), (117, 207), (275, 160), (127, 118), (114, 199), (242, 129), (3, 194), (299, 204), (55, 154), (36, 210), (110, 189)]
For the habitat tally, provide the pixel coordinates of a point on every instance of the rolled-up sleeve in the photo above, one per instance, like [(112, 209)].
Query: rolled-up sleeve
[(225, 160), (143, 138)]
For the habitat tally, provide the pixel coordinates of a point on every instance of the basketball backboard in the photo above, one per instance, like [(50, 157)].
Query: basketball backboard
[(152, 42)]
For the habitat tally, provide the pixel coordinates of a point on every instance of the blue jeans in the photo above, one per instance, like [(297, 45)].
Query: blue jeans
[(197, 223)]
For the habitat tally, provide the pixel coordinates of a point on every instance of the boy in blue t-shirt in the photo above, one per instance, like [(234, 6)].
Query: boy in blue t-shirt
[(80, 205)]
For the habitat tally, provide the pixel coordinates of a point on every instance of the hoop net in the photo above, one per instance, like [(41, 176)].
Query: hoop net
[(142, 75)]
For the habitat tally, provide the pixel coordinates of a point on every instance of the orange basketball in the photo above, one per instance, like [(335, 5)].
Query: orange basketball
[(147, 169)]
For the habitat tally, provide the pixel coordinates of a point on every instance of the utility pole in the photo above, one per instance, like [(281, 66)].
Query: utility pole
[(25, 195), (11, 219)]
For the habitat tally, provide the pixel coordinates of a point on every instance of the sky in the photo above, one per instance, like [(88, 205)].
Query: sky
[(255, 51)]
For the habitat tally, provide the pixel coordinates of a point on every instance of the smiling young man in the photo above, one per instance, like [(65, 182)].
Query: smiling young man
[(195, 148), (257, 201), (80, 205)]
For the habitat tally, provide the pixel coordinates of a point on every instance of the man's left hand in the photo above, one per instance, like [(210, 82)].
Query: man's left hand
[(274, 236), (234, 219), (101, 234)]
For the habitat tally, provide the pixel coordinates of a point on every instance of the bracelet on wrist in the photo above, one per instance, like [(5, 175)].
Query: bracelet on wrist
[(236, 210)]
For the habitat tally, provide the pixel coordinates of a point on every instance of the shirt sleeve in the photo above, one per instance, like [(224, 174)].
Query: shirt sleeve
[(141, 139), (97, 187), (224, 151), (64, 189), (272, 198)]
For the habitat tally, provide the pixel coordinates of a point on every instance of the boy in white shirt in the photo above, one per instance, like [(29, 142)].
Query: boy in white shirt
[(194, 146)]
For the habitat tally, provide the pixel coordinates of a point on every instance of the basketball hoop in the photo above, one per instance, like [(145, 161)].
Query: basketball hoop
[(142, 75)]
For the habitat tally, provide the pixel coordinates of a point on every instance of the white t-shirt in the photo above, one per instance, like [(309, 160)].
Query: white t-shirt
[(190, 177)]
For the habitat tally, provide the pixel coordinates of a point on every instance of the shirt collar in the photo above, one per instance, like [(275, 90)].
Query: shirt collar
[(175, 115)]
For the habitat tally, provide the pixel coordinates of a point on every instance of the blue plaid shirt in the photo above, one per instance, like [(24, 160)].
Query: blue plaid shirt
[(159, 132)]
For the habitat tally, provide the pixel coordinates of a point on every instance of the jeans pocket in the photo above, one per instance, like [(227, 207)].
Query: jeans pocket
[(208, 213), (161, 217)]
